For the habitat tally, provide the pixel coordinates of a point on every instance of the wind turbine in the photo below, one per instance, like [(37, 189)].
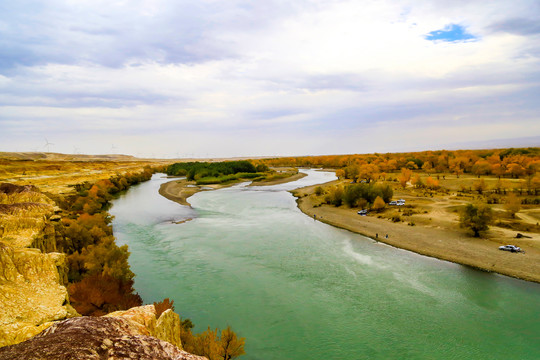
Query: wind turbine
[(47, 144), (113, 148)]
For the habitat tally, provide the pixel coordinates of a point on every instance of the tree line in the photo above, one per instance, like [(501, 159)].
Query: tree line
[(358, 195), (99, 277), (198, 170), (515, 163)]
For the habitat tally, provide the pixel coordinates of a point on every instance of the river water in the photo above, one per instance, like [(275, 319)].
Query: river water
[(296, 288)]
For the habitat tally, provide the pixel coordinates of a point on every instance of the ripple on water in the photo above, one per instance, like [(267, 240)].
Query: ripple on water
[(299, 289)]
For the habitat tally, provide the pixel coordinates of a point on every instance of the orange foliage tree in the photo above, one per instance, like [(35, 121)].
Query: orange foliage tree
[(100, 294), (404, 177)]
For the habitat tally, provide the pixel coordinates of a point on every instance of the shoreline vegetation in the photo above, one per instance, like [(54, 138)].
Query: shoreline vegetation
[(444, 243), (62, 233)]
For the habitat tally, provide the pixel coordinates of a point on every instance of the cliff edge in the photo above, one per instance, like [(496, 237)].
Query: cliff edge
[(32, 283), (136, 333)]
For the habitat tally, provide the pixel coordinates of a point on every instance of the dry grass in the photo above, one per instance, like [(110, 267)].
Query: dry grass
[(58, 176), (25, 197), (23, 214)]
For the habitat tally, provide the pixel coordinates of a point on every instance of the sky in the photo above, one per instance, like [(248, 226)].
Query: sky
[(224, 78)]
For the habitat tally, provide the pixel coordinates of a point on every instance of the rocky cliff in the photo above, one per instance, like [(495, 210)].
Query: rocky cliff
[(32, 283), (30, 293), (131, 334), (36, 319)]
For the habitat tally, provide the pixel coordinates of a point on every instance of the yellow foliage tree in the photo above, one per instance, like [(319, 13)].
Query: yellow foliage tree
[(417, 182), (231, 345), (404, 177), (512, 204), (480, 186), (378, 204)]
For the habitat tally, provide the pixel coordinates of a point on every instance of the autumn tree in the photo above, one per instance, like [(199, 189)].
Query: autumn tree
[(212, 344), (417, 182), (457, 165), (475, 218), (404, 177), (534, 184), (431, 183), (512, 204), (427, 167), (207, 344), (481, 167), (480, 186), (351, 172), (334, 196), (411, 165), (498, 170), (368, 172), (515, 170), (163, 306), (99, 294), (231, 345), (378, 204)]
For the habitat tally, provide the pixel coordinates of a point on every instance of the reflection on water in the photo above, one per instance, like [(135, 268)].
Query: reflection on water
[(299, 289)]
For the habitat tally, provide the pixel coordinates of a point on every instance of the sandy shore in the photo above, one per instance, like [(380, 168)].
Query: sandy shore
[(451, 244), (180, 190), (279, 181)]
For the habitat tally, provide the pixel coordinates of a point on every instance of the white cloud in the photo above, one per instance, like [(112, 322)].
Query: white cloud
[(255, 72)]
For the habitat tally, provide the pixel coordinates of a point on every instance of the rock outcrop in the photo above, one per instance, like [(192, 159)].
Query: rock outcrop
[(123, 335), (32, 283), (31, 294), (166, 327)]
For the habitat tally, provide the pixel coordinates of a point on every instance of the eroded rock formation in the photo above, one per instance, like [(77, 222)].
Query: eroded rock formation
[(166, 327), (32, 291), (122, 335)]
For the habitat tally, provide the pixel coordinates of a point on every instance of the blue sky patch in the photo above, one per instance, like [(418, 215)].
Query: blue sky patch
[(451, 33)]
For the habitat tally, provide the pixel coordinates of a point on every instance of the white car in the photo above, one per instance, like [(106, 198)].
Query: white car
[(511, 248), (363, 212)]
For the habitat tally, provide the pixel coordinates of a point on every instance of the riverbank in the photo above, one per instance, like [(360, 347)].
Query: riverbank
[(180, 190), (285, 180), (446, 243)]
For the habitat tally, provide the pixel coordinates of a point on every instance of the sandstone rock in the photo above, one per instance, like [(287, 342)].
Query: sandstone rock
[(166, 328), (94, 338), (31, 293)]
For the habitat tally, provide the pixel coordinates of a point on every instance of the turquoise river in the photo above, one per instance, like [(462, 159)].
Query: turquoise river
[(296, 288)]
